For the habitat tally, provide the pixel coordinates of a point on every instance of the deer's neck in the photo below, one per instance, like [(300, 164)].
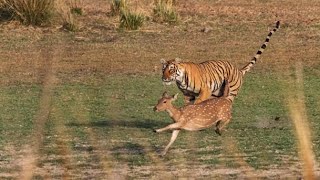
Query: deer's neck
[(174, 113)]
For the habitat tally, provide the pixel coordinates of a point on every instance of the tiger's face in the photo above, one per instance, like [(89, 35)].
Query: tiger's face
[(171, 71)]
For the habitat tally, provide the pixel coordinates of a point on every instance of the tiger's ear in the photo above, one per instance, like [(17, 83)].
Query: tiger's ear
[(177, 60), (163, 61), (175, 97)]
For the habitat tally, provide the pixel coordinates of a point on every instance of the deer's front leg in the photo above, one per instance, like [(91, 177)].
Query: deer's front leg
[(173, 126), (173, 138)]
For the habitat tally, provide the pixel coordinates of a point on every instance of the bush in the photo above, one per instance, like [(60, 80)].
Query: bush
[(129, 20), (64, 9), (76, 7), (69, 26), (5, 12), (28, 12), (164, 12), (117, 5), (76, 10)]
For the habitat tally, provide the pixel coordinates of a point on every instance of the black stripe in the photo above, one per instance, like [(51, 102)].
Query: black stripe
[(270, 33), (194, 84), (267, 40), (263, 46), (186, 79), (254, 59), (233, 94), (259, 52)]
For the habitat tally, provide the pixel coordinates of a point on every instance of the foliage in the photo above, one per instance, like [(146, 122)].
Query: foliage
[(164, 12), (76, 7), (28, 12), (76, 10), (117, 5), (130, 20), (65, 10)]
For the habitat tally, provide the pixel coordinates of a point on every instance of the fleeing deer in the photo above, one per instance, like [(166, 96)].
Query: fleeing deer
[(195, 117)]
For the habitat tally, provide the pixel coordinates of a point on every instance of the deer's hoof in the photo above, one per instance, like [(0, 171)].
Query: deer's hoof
[(162, 154), (154, 130), (218, 131)]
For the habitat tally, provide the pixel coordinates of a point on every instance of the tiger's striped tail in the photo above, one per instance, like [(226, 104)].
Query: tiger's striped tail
[(247, 67)]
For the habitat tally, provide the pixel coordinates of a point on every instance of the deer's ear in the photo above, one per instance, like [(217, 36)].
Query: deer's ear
[(175, 97), (163, 61), (165, 94)]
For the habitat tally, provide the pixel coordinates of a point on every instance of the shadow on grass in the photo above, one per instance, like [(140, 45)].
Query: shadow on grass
[(129, 148), (144, 124), (133, 154)]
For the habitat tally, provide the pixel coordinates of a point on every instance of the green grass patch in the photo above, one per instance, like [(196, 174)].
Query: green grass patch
[(18, 107), (117, 114), (121, 110)]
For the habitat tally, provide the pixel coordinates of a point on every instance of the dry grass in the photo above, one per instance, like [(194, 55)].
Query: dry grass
[(65, 12), (76, 6), (29, 12), (297, 109), (41, 13), (117, 5), (164, 12), (130, 20), (100, 116)]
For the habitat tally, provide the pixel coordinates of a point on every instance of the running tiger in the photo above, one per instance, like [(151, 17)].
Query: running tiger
[(207, 79)]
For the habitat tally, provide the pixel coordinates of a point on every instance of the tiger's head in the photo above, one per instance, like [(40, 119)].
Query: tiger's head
[(171, 71)]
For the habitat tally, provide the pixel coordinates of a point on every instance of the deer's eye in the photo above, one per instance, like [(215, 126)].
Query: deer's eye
[(164, 101)]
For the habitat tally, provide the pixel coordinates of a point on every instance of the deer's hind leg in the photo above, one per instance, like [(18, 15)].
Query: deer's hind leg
[(220, 125)]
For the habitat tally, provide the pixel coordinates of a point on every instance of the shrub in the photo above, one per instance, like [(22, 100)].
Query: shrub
[(117, 5), (164, 12), (76, 10), (129, 20), (64, 10), (69, 26), (28, 12), (76, 7), (5, 11)]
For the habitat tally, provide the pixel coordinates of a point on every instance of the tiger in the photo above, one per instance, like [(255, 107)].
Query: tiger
[(207, 79)]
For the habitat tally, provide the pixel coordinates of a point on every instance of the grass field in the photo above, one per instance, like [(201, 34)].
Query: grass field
[(80, 105)]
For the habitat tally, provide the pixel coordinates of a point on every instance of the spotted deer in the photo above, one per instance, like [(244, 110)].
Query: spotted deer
[(194, 117)]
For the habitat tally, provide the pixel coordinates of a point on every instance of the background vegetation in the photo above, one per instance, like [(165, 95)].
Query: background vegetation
[(79, 105)]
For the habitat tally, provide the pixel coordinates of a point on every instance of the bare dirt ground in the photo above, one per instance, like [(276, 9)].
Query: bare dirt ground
[(49, 56)]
